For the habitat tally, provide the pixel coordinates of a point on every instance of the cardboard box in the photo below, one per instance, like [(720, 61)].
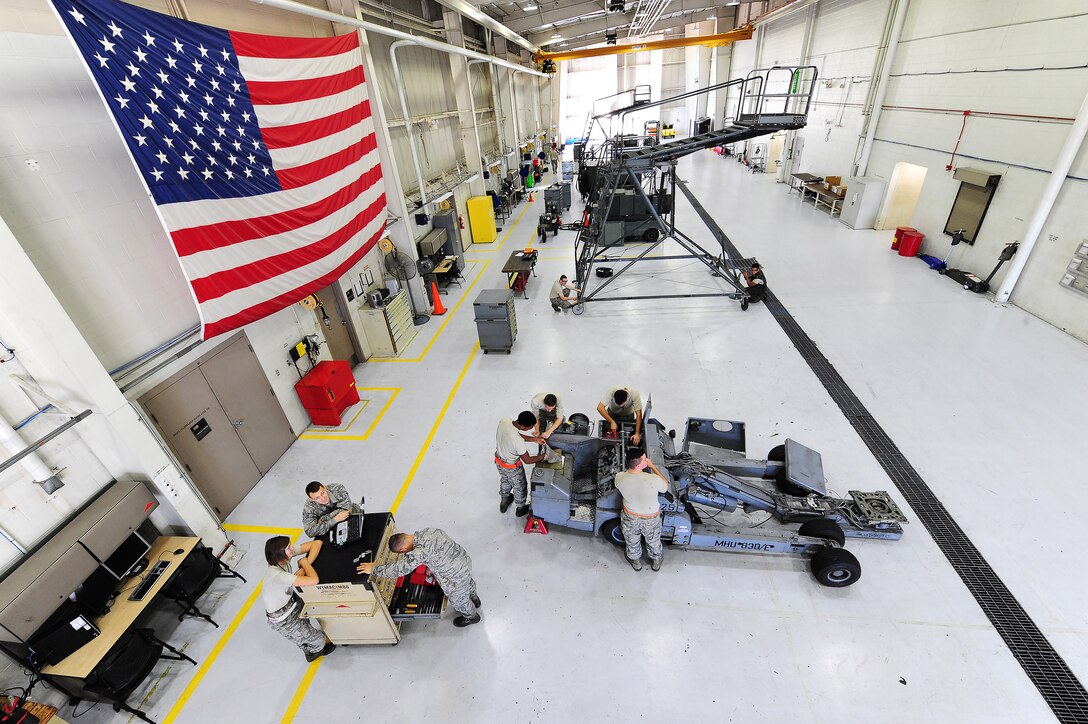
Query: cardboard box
[(833, 180)]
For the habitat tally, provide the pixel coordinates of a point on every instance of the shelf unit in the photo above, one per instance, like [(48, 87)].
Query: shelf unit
[(389, 329)]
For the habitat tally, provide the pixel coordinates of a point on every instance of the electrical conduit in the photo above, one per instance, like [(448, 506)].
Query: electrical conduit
[(407, 118), (882, 86)]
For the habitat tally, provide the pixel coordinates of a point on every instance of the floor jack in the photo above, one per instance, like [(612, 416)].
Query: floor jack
[(980, 286)]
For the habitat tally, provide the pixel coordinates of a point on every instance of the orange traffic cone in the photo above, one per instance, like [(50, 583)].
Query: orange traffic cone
[(530, 197), (438, 308)]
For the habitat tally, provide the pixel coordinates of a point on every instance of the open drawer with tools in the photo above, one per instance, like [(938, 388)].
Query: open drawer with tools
[(356, 608), (417, 596)]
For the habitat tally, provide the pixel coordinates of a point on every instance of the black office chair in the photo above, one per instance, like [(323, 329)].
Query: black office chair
[(128, 663), (194, 577)]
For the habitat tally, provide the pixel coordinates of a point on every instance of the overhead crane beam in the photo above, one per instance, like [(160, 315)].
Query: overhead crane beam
[(711, 41)]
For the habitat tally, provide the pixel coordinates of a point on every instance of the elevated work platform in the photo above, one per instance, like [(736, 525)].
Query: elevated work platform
[(631, 180)]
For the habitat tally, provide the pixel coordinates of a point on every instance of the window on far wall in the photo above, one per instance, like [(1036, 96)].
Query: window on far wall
[(972, 201)]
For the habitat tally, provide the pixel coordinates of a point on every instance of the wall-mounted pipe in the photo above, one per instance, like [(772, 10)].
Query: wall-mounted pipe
[(26, 454), (150, 353), (536, 106), (472, 107), (514, 106), (473, 13), (297, 7), (495, 101), (882, 86), (402, 39), (11, 443), (407, 118)]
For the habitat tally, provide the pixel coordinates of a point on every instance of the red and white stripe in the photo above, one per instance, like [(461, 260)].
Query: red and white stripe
[(246, 258)]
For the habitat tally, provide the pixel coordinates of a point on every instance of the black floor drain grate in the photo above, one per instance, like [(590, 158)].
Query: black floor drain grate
[(1045, 667)]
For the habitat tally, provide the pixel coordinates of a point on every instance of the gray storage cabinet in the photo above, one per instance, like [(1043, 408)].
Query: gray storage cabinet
[(862, 203), (453, 247), (558, 195), (495, 320)]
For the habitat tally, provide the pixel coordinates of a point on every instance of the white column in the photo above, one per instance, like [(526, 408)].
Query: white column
[(1042, 210)]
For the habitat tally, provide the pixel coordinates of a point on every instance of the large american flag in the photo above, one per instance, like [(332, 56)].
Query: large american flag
[(258, 151)]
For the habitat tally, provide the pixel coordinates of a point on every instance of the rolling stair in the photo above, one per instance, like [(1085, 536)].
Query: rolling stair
[(772, 100)]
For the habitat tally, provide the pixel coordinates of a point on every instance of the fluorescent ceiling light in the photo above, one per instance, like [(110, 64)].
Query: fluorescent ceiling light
[(733, 3), (530, 7)]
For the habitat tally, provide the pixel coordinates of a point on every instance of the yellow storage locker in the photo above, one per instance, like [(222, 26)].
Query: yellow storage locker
[(481, 217)]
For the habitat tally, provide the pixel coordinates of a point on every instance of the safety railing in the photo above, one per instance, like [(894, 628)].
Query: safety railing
[(782, 94), (761, 99)]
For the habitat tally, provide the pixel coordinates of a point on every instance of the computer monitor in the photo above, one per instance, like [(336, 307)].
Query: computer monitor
[(93, 597), (127, 555)]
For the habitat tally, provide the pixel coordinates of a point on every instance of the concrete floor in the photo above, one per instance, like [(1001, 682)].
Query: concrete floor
[(983, 400)]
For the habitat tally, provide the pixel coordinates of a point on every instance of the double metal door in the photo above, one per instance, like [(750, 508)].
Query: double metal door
[(222, 421)]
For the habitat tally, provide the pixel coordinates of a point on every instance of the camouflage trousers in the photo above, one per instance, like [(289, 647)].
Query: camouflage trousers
[(635, 529), (512, 482), (460, 588), (297, 630), (558, 304)]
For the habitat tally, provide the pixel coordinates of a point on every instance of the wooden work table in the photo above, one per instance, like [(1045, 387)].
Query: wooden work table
[(124, 612), (819, 196), (518, 267)]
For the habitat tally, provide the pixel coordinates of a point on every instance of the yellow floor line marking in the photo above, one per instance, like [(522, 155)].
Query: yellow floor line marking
[(434, 430), (213, 654), (307, 679), (449, 316), (293, 534), (381, 412), (325, 429), (365, 435)]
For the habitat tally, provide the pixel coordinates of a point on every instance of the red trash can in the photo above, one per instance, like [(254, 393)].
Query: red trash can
[(898, 238), (911, 243)]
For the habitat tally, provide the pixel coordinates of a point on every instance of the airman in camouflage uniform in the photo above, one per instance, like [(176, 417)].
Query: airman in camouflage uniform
[(449, 563), (325, 504)]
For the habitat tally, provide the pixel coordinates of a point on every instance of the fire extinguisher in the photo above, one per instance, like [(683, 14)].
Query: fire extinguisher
[(461, 221)]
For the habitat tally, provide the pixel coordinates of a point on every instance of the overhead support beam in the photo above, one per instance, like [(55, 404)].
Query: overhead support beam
[(712, 41), (779, 13), (562, 14), (594, 30), (557, 14), (483, 19)]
